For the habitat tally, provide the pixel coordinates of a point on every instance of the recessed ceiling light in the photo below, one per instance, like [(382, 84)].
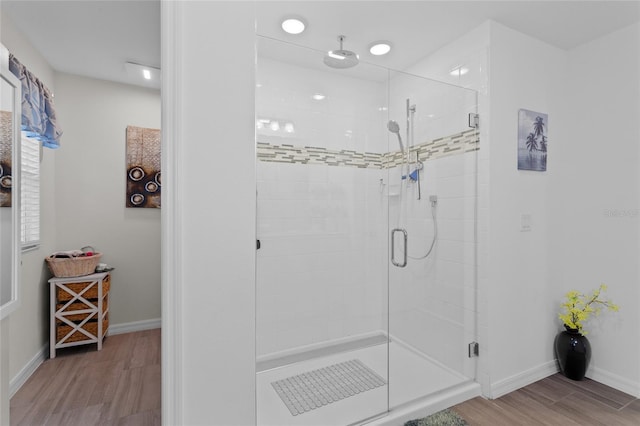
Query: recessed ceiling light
[(380, 48), (293, 25), (147, 72), (318, 96)]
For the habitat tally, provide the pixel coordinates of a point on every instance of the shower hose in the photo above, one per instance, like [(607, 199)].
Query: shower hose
[(435, 234)]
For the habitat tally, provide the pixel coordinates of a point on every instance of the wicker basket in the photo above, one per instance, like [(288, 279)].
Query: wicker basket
[(73, 266), (91, 326), (63, 296)]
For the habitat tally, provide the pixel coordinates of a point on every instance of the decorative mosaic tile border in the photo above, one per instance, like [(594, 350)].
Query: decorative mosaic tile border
[(286, 153), (458, 143)]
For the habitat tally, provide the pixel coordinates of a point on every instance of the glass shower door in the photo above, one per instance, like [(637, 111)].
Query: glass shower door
[(321, 284), (431, 225)]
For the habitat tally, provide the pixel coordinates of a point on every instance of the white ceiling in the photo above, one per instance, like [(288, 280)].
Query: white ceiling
[(95, 37), (417, 28)]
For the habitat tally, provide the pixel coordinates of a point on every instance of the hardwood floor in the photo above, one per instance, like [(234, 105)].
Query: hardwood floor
[(553, 401), (119, 385)]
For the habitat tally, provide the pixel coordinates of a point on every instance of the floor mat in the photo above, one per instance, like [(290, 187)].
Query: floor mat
[(314, 389), (441, 418)]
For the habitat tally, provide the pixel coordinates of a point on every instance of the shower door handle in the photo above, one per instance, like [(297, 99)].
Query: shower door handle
[(393, 248)]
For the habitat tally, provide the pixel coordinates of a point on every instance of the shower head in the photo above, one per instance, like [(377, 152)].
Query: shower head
[(394, 127), (341, 58)]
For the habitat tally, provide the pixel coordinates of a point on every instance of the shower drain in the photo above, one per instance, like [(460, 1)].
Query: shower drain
[(317, 388)]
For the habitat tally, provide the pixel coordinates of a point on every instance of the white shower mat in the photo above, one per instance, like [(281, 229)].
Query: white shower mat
[(316, 388)]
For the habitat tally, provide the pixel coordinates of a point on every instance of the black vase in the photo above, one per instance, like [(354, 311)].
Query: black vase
[(573, 353)]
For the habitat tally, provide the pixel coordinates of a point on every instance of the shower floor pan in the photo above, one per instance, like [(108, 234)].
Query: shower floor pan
[(412, 377)]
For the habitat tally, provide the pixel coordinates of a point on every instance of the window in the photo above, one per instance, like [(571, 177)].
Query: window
[(30, 192)]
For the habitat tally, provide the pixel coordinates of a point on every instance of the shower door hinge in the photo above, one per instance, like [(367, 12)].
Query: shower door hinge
[(474, 349), (474, 120)]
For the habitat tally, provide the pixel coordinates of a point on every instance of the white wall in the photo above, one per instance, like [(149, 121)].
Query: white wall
[(595, 210), (211, 121), (521, 301), (90, 189), (28, 334), (584, 207)]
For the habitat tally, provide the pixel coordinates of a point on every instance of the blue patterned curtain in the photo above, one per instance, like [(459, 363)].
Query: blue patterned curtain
[(38, 115)]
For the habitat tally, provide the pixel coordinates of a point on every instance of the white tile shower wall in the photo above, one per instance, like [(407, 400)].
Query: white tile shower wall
[(349, 117), (471, 51), (333, 221), (432, 305), (319, 273), (322, 225), (440, 109), (432, 299)]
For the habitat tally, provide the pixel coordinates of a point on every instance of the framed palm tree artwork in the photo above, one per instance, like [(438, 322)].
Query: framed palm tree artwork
[(532, 140)]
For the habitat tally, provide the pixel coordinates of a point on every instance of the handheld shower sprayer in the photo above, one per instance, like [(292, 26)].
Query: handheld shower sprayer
[(394, 127)]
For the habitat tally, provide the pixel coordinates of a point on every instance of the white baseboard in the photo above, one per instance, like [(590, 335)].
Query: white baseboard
[(504, 386), (130, 327), (23, 375), (622, 384), (599, 375)]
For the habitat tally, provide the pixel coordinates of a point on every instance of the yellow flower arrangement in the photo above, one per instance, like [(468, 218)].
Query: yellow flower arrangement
[(578, 307)]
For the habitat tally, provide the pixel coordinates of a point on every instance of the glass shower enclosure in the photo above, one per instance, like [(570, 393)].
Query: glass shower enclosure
[(366, 271)]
